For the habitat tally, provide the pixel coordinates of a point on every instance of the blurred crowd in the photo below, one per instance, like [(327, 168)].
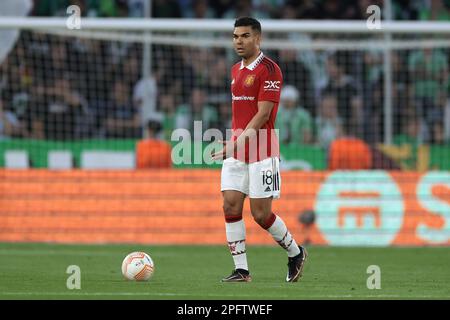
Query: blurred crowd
[(264, 9), (61, 88)]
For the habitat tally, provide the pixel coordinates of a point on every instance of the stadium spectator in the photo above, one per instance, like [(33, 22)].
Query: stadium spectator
[(373, 68), (438, 135), (196, 110), (407, 144), (118, 51), (293, 121), (349, 153), (153, 152), (408, 10), (429, 70), (335, 9), (244, 8), (130, 67), (435, 10), (221, 6), (145, 93), (224, 119), (343, 86), (328, 123), (315, 76), (372, 81), (10, 126), (94, 70), (60, 111), (199, 9), (176, 79), (297, 74), (15, 87), (122, 118), (47, 8), (60, 63), (136, 8), (439, 150), (110, 8), (374, 113), (197, 58), (166, 9), (272, 7), (218, 83), (307, 9), (400, 89), (288, 11), (167, 105), (42, 57), (48, 58)]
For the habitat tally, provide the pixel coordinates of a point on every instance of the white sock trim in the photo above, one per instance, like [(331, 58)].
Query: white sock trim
[(235, 232)]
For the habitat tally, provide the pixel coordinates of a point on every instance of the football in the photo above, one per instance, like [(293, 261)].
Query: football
[(138, 266)]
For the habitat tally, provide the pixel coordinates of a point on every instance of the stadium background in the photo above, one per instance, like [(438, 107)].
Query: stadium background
[(75, 107)]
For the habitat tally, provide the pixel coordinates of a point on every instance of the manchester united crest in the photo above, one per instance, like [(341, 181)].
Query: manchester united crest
[(248, 82)]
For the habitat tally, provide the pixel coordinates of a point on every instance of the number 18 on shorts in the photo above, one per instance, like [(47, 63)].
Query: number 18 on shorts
[(257, 180)]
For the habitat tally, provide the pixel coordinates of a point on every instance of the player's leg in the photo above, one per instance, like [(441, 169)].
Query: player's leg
[(233, 202), (262, 213), (234, 186), (264, 186)]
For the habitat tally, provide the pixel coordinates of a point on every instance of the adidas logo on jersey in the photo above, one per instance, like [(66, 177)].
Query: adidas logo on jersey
[(267, 189)]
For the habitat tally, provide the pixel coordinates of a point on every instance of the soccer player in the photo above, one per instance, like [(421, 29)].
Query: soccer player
[(251, 157)]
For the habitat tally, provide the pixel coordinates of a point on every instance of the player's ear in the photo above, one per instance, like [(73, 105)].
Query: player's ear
[(258, 38)]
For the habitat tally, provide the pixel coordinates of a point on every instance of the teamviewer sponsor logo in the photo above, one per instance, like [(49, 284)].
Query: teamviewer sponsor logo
[(272, 85), (242, 98)]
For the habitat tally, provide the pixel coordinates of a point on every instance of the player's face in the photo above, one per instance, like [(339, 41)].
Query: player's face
[(246, 41)]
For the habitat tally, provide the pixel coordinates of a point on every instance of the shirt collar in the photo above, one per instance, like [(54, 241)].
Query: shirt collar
[(254, 64)]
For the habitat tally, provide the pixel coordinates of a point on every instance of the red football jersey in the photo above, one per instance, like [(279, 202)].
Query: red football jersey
[(259, 81)]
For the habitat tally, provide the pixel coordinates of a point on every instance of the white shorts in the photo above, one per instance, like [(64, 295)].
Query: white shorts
[(257, 180)]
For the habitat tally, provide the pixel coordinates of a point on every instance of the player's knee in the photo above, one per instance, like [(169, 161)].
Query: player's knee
[(259, 218), (262, 218), (231, 209)]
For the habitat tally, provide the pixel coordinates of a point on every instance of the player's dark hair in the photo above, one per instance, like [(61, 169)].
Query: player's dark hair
[(248, 22)]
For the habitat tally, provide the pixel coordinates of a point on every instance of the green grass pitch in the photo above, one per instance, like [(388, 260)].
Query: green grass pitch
[(38, 271)]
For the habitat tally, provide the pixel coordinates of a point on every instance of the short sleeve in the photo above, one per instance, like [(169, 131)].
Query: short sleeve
[(270, 85)]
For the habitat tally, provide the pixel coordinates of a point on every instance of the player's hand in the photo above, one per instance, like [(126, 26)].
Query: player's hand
[(226, 152)]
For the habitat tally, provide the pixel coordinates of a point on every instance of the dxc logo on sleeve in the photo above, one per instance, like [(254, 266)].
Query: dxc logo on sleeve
[(272, 85)]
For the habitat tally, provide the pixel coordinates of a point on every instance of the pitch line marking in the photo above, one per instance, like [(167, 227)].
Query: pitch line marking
[(190, 294)]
